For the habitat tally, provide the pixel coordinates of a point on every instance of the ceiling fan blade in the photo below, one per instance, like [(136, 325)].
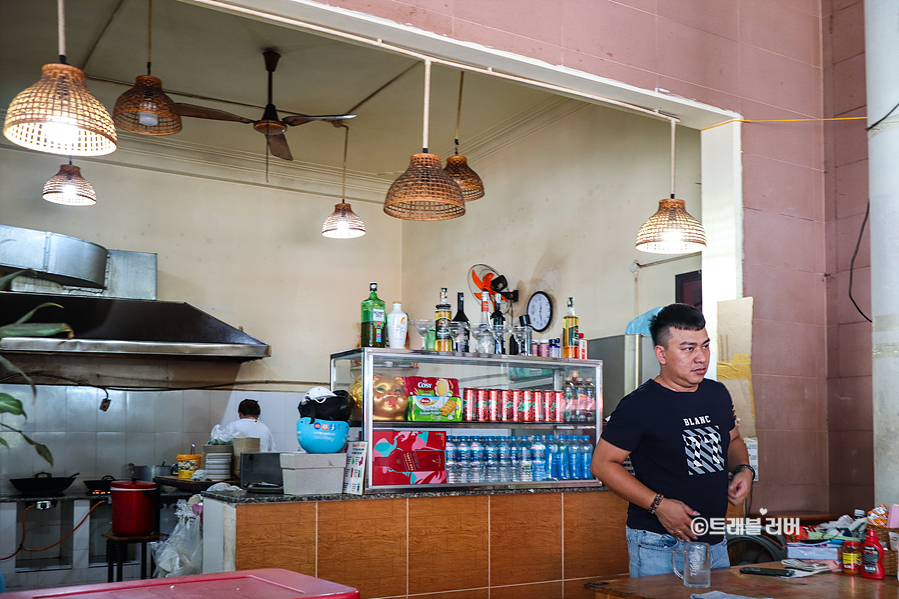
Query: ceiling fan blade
[(201, 112), (302, 119), (277, 144)]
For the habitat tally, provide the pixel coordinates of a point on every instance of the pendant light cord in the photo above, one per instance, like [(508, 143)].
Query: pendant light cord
[(149, 34), (346, 145), (673, 127), (424, 140), (61, 26), (459, 110)]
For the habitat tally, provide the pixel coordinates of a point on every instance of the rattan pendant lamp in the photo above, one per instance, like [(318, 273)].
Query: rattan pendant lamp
[(671, 230), (145, 109), (69, 187), (58, 114), (425, 191), (343, 223), (457, 166)]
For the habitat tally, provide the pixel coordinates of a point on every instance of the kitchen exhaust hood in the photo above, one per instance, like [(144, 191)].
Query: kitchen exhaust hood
[(107, 326)]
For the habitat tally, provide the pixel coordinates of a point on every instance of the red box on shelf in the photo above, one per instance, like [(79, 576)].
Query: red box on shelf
[(408, 457)]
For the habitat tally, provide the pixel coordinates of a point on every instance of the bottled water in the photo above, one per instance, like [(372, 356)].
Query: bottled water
[(491, 449), (553, 458), (505, 459), (538, 458), (587, 456), (526, 468), (565, 461), (463, 460), (451, 464), (577, 462), (515, 455), (478, 461)]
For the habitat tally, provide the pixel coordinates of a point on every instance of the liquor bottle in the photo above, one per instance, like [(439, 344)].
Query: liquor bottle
[(462, 341), (570, 338), (374, 319), (443, 341), (498, 320), (485, 340)]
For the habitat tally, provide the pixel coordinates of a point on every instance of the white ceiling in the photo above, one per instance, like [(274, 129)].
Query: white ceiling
[(208, 53)]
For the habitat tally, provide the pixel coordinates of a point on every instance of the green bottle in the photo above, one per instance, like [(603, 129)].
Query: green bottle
[(374, 320)]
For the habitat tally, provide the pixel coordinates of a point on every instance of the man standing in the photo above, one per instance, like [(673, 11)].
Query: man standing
[(681, 434)]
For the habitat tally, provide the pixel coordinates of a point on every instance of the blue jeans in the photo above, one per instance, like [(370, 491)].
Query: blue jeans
[(650, 553)]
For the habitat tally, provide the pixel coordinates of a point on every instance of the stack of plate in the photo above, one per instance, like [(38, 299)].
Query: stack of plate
[(218, 466)]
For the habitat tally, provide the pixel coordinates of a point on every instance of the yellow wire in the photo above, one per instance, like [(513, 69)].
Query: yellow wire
[(844, 118)]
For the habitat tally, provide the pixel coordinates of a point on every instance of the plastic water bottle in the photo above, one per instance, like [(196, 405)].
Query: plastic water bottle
[(505, 459), (451, 461), (565, 461), (515, 455), (491, 449), (587, 456), (553, 458), (538, 458), (527, 467), (478, 461), (576, 460), (463, 460)]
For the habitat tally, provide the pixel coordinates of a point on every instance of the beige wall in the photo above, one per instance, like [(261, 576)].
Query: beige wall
[(563, 205)]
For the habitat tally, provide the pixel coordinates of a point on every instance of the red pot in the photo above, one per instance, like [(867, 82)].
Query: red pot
[(132, 507)]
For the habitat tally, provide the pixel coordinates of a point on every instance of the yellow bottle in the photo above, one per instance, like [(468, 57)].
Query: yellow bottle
[(570, 337)]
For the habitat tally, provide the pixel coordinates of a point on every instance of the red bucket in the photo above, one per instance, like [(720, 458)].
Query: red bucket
[(132, 507)]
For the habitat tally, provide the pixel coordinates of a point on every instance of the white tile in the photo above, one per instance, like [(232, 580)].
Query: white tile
[(141, 449), (141, 412), (170, 412), (114, 419), (56, 443), (196, 439), (197, 412), (82, 454), (286, 442), (112, 454), (48, 411), (168, 446), (82, 405)]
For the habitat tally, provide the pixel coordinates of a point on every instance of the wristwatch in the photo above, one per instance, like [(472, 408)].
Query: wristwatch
[(741, 467)]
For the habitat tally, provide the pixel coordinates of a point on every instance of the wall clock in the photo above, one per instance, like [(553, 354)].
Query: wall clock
[(540, 310)]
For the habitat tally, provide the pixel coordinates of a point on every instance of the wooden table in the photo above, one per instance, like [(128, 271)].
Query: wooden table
[(730, 580)]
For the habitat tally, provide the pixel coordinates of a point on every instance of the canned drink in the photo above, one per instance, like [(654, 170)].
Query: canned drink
[(559, 407), (506, 405), (526, 410), (469, 405), (538, 406), (543, 349), (516, 405), (549, 400), (482, 404), (555, 348), (493, 413)]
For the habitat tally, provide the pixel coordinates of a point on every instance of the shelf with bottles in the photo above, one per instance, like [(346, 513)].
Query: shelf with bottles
[(375, 379)]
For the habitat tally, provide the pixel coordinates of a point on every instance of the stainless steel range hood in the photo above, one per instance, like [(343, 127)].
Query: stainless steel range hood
[(127, 327)]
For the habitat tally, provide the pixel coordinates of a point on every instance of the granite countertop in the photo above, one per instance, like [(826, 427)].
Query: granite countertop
[(17, 498), (243, 497)]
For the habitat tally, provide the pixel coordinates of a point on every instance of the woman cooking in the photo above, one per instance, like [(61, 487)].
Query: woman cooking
[(248, 423)]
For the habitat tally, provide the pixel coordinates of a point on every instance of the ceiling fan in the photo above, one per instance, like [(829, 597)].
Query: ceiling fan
[(269, 125)]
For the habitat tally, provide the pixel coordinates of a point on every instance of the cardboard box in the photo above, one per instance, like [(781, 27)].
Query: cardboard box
[(313, 473), (408, 457)]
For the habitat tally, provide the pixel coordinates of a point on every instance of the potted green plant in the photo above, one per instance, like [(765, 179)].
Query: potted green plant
[(23, 328)]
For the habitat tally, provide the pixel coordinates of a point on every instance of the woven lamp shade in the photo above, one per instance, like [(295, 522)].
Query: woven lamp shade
[(343, 223), (671, 230), (60, 116), (69, 187), (144, 99), (468, 181), (424, 192)]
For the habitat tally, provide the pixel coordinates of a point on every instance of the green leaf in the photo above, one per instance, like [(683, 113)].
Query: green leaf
[(5, 281), (35, 329), (44, 452), (11, 405), (3, 442), (13, 368), (28, 316)]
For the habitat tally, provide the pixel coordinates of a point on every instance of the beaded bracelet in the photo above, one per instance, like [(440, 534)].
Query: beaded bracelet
[(655, 503), (741, 467)]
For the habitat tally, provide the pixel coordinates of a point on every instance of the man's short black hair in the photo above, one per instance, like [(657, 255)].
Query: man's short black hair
[(249, 407), (678, 316)]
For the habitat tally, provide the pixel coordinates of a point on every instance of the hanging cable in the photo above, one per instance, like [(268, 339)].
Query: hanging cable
[(885, 117), (858, 244), (22, 546)]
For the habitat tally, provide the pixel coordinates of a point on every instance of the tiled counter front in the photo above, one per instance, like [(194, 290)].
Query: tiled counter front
[(540, 545)]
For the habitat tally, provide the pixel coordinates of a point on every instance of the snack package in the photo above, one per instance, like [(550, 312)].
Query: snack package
[(878, 516), (433, 399)]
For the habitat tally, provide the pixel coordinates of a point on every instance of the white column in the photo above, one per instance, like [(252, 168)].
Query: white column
[(882, 64)]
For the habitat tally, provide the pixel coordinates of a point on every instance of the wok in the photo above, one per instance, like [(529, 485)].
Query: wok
[(43, 483), (102, 485)]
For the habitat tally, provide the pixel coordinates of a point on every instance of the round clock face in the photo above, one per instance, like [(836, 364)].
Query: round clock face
[(540, 311)]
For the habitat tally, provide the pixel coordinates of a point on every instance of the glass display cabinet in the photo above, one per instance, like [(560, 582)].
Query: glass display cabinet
[(445, 420)]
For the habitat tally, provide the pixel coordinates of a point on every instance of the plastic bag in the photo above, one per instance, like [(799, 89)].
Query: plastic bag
[(220, 436), (182, 553)]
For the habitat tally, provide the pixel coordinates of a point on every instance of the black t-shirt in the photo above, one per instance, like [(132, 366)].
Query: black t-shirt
[(678, 443)]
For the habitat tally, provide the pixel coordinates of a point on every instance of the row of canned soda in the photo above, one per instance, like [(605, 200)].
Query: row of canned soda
[(513, 405)]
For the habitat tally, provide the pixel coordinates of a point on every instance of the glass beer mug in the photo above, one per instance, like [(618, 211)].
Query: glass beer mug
[(697, 565)]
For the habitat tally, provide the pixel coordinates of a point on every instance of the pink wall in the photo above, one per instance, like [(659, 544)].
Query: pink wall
[(766, 60)]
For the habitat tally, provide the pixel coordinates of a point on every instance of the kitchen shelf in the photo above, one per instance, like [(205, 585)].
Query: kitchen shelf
[(371, 366)]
